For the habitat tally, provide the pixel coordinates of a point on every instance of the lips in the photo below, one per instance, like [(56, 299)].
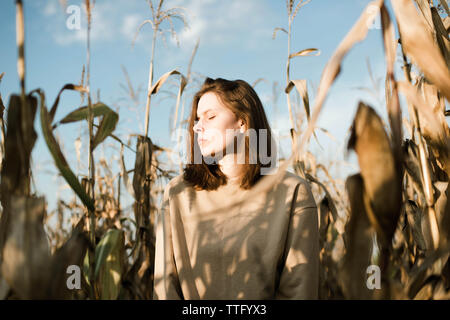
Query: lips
[(202, 141)]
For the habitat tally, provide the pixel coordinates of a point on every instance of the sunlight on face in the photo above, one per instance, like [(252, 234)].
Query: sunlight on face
[(213, 120)]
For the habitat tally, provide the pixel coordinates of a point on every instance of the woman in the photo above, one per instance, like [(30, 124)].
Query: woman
[(266, 247)]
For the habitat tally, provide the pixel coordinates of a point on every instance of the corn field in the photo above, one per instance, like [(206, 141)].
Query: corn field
[(394, 214)]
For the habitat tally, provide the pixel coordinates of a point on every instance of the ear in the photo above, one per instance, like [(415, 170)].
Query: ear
[(242, 126)]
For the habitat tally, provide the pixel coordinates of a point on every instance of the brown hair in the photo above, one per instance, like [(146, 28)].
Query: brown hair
[(243, 101)]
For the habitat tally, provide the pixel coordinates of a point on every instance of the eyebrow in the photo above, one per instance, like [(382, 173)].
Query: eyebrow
[(205, 111)]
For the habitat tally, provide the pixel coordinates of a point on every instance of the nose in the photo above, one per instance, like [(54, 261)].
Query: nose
[(198, 127)]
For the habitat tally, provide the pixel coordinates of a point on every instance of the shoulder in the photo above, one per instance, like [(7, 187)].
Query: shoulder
[(175, 185), (298, 187), (175, 181)]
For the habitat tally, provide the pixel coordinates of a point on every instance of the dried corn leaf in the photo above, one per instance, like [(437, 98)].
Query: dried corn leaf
[(123, 170), (15, 173), (442, 207), (302, 90), (324, 220), (412, 165), (4, 288), (305, 52), (70, 253), (274, 35), (155, 88), (358, 236), (432, 121), (141, 271), (424, 7), (419, 45), (183, 84), (441, 35), (426, 291), (392, 100), (382, 180), (441, 291), (331, 204), (414, 217), (26, 253), (19, 142)]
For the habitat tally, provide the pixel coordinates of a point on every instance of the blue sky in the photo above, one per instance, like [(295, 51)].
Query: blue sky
[(235, 43)]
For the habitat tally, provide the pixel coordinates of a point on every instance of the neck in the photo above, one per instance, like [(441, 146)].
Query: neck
[(230, 168)]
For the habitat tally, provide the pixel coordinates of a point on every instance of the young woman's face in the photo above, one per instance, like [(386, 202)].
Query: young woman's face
[(215, 124)]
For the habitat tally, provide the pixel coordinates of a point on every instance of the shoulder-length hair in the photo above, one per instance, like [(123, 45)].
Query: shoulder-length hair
[(243, 101)]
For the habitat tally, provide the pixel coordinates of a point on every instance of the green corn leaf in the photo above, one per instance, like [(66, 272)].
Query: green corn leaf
[(109, 263), (107, 124), (59, 158), (98, 109), (106, 127)]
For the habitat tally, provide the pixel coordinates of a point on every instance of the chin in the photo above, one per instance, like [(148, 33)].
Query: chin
[(208, 153), (205, 152)]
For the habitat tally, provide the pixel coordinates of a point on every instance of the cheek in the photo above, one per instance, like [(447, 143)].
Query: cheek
[(220, 131)]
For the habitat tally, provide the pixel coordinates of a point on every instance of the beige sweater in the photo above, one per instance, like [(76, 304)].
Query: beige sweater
[(266, 248)]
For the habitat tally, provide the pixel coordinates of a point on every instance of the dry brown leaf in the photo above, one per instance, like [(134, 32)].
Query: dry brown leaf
[(392, 100), (324, 220), (126, 179), (382, 180), (414, 217), (442, 206), (70, 253), (305, 52), (441, 35), (412, 165), (302, 89), (419, 45), (4, 288), (358, 235), (155, 88), (424, 7), (26, 253), (432, 122)]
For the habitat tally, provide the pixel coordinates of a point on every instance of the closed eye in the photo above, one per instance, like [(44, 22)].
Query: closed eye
[(210, 118)]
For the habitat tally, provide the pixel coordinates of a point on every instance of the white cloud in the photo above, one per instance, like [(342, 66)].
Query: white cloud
[(220, 23), (130, 25), (50, 8), (215, 22)]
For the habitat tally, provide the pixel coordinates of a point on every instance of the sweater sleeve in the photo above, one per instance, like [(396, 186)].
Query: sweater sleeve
[(299, 267), (166, 282)]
